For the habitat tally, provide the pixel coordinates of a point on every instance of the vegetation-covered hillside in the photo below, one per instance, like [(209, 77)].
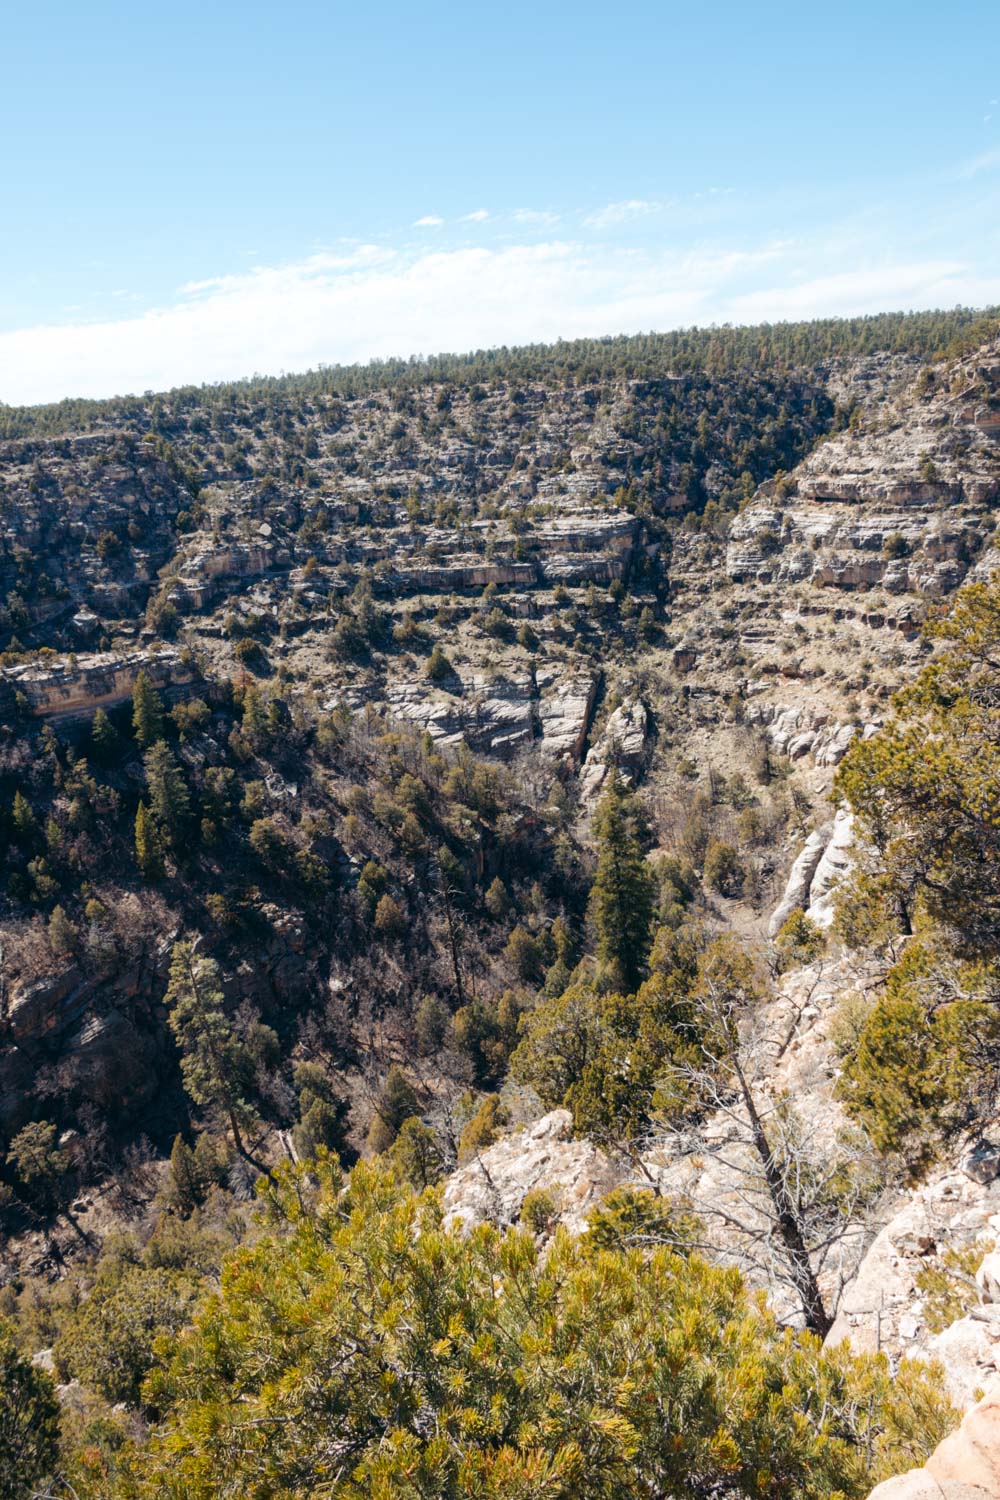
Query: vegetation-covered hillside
[(392, 755)]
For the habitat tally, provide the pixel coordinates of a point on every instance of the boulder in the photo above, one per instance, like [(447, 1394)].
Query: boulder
[(982, 1163), (988, 1277), (965, 1466), (544, 1155), (968, 1350)]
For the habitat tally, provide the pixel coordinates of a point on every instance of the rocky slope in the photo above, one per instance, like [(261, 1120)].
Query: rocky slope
[(672, 577)]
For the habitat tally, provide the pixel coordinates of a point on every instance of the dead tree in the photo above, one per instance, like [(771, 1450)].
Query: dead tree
[(793, 1207)]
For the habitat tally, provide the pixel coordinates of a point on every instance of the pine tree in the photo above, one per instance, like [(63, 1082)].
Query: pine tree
[(147, 711), (214, 1064), (148, 848), (168, 793), (621, 899), (254, 724), (63, 934), (185, 1178), (427, 1360), (103, 737), (23, 819)]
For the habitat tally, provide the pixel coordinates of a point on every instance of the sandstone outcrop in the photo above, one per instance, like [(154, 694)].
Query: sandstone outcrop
[(966, 1466), (543, 1155), (898, 504), (74, 687)]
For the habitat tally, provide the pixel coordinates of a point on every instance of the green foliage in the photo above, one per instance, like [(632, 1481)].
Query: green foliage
[(397, 1101), (187, 1186), (23, 819), (799, 941), (947, 1284), (924, 789), (108, 1342), (496, 900), (248, 651), (614, 1059), (621, 900), (270, 845), (438, 665), (723, 868), (64, 935), (29, 1421), (483, 1128), (538, 1210), (169, 800), (525, 955), (38, 1162), (927, 1059), (147, 712), (499, 1371), (104, 738), (190, 716), (390, 919), (924, 792), (416, 1154), (148, 844), (215, 1064), (485, 1031), (637, 1218)]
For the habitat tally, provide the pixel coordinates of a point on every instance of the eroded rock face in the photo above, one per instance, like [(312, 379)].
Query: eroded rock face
[(70, 688), (800, 879), (899, 504), (501, 715), (624, 746), (833, 866), (544, 1155), (883, 1307), (817, 873)]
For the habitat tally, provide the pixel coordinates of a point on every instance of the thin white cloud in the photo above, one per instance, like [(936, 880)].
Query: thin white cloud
[(429, 221), (376, 302), (614, 214), (478, 216), (986, 161), (544, 218), (866, 290)]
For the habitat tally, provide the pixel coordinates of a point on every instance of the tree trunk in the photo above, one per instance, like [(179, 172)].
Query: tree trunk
[(789, 1227)]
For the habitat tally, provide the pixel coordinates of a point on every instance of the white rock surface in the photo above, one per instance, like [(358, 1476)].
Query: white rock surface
[(800, 878), (544, 1155), (831, 869)]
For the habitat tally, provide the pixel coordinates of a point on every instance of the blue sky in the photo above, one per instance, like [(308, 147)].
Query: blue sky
[(197, 191)]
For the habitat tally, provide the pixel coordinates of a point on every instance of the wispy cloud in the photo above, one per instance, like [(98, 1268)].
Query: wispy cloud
[(478, 216), (378, 301), (614, 214), (429, 221), (544, 218), (986, 161)]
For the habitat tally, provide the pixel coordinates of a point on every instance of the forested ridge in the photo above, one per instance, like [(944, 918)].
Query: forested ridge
[(712, 351)]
